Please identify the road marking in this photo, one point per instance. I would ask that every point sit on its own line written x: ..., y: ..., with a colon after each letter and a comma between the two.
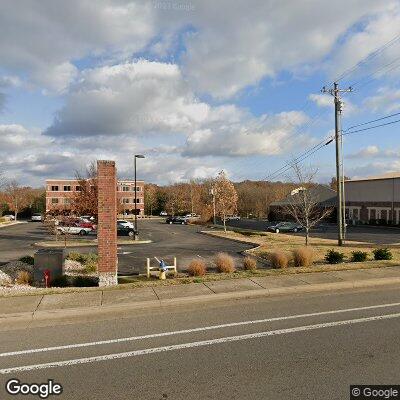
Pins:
x: 194, y: 330
x: 202, y: 343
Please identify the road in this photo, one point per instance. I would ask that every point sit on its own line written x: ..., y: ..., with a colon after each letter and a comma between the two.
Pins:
x: 308, y: 347
x: 361, y: 233
x: 182, y: 241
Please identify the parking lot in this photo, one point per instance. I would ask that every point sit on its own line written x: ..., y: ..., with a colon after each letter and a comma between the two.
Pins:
x: 182, y: 241
x: 360, y: 233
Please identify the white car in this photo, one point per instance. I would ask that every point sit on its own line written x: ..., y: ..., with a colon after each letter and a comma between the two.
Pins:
x: 163, y: 214
x: 192, y: 216
x: 126, y: 224
x: 87, y: 218
x: 37, y: 218
x: 9, y: 217
x: 74, y: 230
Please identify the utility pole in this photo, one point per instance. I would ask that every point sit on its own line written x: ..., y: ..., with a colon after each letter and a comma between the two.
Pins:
x: 335, y: 92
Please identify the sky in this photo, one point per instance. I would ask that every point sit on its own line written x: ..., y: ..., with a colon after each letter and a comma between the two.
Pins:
x: 197, y: 87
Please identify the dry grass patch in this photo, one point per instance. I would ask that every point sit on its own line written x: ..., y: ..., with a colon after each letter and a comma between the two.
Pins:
x: 24, y: 278
x: 224, y: 263
x: 278, y: 260
x: 249, y: 264
x: 197, y: 268
x: 303, y: 257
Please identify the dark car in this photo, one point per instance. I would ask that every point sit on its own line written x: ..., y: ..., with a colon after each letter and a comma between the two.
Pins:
x: 123, y: 230
x: 176, y: 220
x: 285, y: 227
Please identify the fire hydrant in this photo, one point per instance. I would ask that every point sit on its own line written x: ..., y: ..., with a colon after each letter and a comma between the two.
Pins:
x: 46, y: 274
x: 163, y: 269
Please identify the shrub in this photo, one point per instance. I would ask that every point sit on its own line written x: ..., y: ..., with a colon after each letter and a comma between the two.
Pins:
x: 278, y: 260
x: 60, y: 281
x: 224, y: 263
x: 79, y: 257
x: 27, y: 260
x: 24, y: 278
x: 359, y: 256
x: 197, y: 268
x: 382, y: 254
x: 249, y: 264
x: 85, y: 281
x: 334, y: 257
x: 303, y: 257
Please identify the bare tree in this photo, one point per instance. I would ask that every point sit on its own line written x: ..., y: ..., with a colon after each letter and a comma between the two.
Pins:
x: 304, y: 203
x: 85, y: 199
x: 226, y: 197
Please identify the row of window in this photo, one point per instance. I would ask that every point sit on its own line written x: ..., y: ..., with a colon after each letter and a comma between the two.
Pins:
x: 66, y: 200
x: 68, y: 188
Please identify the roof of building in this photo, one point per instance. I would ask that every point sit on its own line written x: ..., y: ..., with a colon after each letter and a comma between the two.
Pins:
x: 323, y: 194
x: 388, y: 175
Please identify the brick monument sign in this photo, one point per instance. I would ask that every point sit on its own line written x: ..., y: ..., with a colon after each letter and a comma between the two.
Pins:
x: 107, y: 222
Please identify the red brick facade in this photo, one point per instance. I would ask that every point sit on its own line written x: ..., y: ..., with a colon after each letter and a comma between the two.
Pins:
x: 107, y: 222
x: 59, y: 194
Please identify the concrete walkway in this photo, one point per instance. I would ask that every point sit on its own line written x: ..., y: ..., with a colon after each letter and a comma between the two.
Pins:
x: 53, y: 305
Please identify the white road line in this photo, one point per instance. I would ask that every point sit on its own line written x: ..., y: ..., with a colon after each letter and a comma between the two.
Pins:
x: 194, y: 330
x: 202, y: 343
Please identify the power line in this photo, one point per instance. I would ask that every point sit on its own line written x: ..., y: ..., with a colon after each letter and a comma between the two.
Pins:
x: 371, y: 127
x: 369, y: 57
x: 371, y: 122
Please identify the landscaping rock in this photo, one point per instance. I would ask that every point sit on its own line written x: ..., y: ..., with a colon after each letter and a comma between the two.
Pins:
x: 13, y: 268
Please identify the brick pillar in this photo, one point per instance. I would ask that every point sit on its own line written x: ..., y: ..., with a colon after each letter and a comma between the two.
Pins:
x: 107, y: 222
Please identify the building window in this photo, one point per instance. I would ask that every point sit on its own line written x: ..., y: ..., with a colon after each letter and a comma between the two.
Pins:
x: 126, y: 200
x: 67, y: 188
x: 78, y: 188
x: 54, y: 188
x: 54, y: 200
x: 125, y: 188
x: 138, y: 188
x: 67, y: 201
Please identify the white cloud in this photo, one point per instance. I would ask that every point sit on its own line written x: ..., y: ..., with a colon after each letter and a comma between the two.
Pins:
x: 387, y: 99
x: 238, y: 45
x: 374, y: 151
x: 42, y: 39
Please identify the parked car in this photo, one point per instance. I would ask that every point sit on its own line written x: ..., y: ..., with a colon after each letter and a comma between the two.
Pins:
x: 192, y: 216
x: 87, y: 217
x: 176, y: 220
x: 123, y: 230
x: 126, y: 223
x: 10, y: 217
x: 233, y: 218
x: 87, y: 224
x: 74, y: 229
x: 37, y: 217
x: 285, y: 227
x: 163, y: 214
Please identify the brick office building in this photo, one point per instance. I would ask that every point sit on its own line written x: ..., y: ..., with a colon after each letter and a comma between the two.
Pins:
x: 60, y: 192
x: 374, y: 200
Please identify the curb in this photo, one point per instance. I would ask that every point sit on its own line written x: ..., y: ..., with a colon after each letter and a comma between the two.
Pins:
x: 247, y: 294
x: 94, y: 244
x: 13, y: 223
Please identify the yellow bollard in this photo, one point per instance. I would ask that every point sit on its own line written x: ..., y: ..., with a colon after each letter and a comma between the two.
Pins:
x: 162, y: 275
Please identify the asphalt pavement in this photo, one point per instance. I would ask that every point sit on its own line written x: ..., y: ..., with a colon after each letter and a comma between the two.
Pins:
x: 309, y: 346
x: 359, y: 233
x: 168, y: 241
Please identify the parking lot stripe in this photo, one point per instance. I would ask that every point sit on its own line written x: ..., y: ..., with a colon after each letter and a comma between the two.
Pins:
x: 202, y: 343
x: 194, y: 330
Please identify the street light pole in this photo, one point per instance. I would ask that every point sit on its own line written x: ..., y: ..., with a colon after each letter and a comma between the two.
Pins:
x: 136, y: 209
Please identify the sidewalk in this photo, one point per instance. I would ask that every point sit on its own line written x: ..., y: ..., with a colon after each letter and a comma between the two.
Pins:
x: 57, y: 305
